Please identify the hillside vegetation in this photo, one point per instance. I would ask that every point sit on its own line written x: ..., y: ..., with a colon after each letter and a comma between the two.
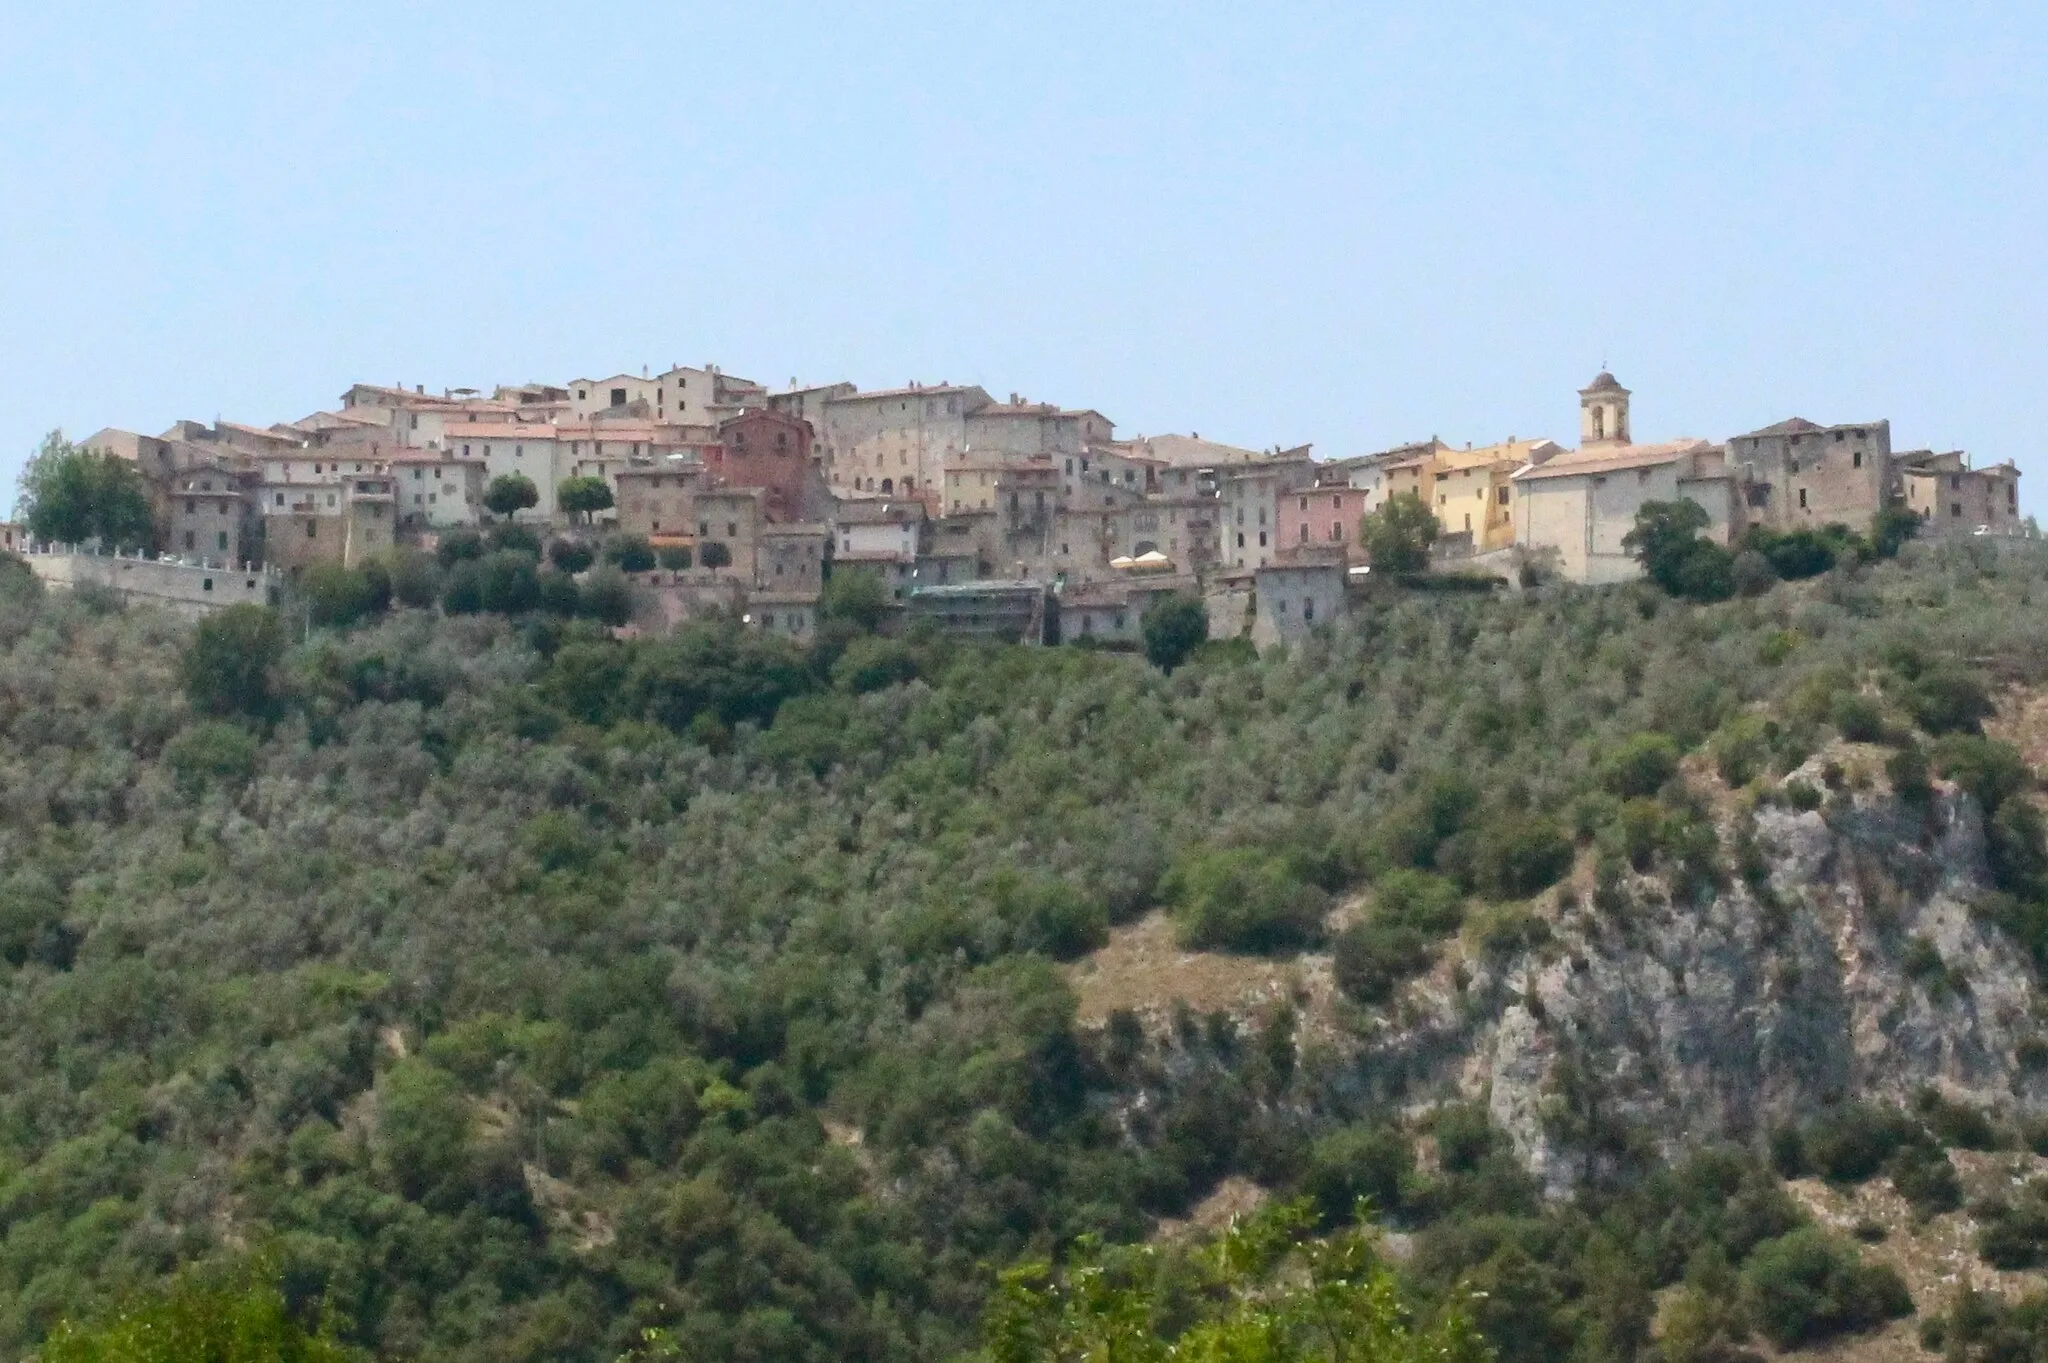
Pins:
x: 514, y: 990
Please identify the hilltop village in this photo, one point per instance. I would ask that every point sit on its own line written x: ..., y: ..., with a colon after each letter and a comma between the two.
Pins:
x: 985, y: 515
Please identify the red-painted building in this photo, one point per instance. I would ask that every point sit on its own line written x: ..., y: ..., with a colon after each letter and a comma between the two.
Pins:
x: 1322, y: 517
x: 764, y: 449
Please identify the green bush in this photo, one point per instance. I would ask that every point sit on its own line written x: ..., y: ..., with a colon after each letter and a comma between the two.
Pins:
x: 231, y: 665
x: 460, y: 544
x: 1243, y: 900
x: 1741, y: 748
x: 1807, y: 1286
x: 212, y: 753
x: 1949, y: 700
x: 1521, y: 855
x: 1354, y: 1163
x: 1851, y: 1142
x: 630, y: 554
x: 570, y: 555
x: 1641, y: 766
x: 1857, y: 717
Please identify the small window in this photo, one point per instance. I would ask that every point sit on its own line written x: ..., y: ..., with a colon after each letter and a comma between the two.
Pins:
x: 1308, y: 608
x: 312, y: 530
x: 1802, y: 499
x: 1856, y: 458
x: 207, y: 585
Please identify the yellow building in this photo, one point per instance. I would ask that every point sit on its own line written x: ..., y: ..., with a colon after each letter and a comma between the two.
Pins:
x: 1468, y: 490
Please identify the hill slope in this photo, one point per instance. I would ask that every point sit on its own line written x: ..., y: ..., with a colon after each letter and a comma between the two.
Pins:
x: 516, y: 988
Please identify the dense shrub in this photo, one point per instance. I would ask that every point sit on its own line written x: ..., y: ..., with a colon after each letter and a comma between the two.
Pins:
x: 1808, y: 1286
x: 1243, y: 900
x: 1947, y: 699
x: 570, y: 555
x: 1641, y: 766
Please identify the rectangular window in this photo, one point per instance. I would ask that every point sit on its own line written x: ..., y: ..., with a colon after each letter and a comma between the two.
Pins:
x: 223, y: 545
x: 1856, y: 459
x: 1802, y: 498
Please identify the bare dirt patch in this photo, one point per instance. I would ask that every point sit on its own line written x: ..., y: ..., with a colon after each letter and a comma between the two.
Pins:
x: 2022, y: 720
x: 1144, y: 970
x: 1231, y: 1199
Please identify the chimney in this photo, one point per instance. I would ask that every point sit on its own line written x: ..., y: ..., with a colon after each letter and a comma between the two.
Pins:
x: 420, y: 388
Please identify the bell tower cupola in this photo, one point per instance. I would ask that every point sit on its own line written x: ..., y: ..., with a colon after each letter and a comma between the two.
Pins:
x: 1603, y: 412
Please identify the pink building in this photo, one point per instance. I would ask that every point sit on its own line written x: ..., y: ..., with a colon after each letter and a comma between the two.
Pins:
x: 1321, y: 517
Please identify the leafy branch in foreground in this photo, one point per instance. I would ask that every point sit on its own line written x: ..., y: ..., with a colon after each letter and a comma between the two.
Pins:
x: 1268, y: 1293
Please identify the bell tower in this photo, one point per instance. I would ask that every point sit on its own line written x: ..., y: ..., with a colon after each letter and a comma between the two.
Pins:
x: 1603, y: 412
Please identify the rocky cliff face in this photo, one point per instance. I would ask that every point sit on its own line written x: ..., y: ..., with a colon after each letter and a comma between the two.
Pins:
x: 1848, y: 964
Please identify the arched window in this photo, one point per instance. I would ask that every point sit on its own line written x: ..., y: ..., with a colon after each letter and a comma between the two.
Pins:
x: 888, y: 485
x: 1599, y: 423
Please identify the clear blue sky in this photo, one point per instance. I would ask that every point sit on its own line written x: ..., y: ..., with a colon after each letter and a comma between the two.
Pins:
x: 1351, y: 224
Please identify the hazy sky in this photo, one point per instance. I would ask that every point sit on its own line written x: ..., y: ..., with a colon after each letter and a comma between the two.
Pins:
x: 1352, y: 224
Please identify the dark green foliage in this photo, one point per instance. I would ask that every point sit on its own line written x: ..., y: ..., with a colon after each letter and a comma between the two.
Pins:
x: 1890, y: 530
x: 675, y: 558
x: 871, y: 664
x: 508, y: 582
x: 1851, y: 1142
x: 557, y: 594
x: 585, y: 496
x: 1369, y: 1163
x: 1857, y: 717
x: 212, y: 754
x: 1397, y: 537
x: 1808, y: 1286
x: 1243, y: 900
x: 1926, y: 1178
x: 1175, y: 625
x: 338, y: 597
x: 1907, y: 770
x: 1802, y: 553
x: 1641, y: 766
x: 570, y: 555
x: 1666, y: 541
x: 230, y: 666
x: 1948, y: 699
x: 68, y: 495
x: 854, y: 597
x: 715, y: 554
x: 607, y: 597
x: 509, y: 493
x: 415, y: 581
x: 1397, y: 938
x: 462, y: 590
x: 631, y: 554
x: 1520, y: 855
x: 510, y: 535
x: 460, y: 543
x: 2014, y: 1236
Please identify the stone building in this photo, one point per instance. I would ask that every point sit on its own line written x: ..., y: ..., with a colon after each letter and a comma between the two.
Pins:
x: 1797, y: 474
x: 210, y: 514
x: 1294, y: 599
x: 1249, y: 520
x: 343, y: 521
x: 655, y: 500
x: 897, y: 442
x: 1951, y: 498
x: 433, y: 489
x: 1580, y: 504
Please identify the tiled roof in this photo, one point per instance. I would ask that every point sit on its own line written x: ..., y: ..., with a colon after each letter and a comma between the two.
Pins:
x: 1602, y: 459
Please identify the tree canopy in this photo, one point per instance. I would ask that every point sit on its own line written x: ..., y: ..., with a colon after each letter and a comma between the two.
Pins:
x: 1174, y: 626
x: 70, y: 495
x: 1397, y: 537
x: 510, y: 493
x: 584, y: 496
